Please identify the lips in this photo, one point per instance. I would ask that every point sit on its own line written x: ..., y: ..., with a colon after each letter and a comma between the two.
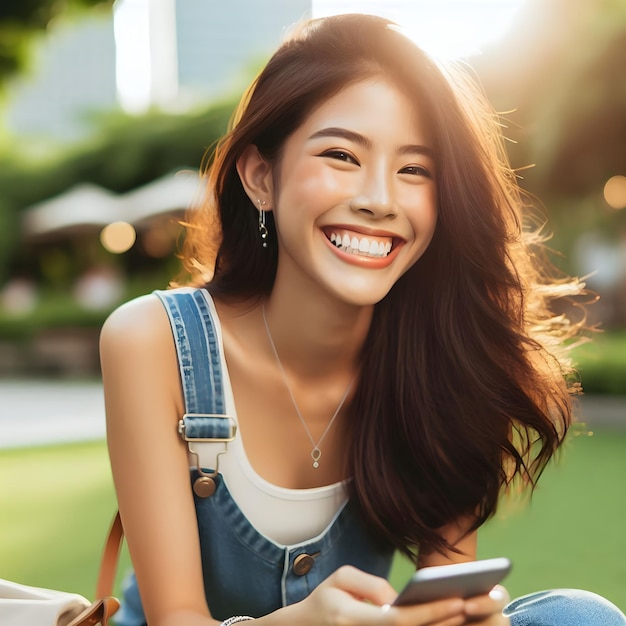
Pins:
x: 350, y: 242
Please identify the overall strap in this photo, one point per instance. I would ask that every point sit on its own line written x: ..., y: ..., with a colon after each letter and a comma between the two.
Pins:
x: 199, y: 361
x: 197, y: 348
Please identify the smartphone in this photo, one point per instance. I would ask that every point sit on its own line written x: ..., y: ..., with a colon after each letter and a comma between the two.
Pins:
x: 459, y: 580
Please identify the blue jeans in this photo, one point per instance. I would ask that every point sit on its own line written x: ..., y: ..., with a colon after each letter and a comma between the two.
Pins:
x: 563, y: 607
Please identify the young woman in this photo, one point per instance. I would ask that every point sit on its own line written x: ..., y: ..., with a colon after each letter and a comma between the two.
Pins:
x: 369, y: 350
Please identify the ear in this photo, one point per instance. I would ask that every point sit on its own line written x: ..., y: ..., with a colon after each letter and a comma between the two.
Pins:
x: 255, y: 173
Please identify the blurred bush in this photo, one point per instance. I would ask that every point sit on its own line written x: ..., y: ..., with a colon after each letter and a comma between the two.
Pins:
x: 602, y: 363
x: 124, y: 153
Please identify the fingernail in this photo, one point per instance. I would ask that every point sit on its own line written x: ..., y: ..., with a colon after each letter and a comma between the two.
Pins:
x: 497, y: 594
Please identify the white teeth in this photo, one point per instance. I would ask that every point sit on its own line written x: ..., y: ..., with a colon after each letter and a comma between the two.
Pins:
x: 364, y: 247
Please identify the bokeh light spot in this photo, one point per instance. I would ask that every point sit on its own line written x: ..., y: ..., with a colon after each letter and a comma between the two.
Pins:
x: 615, y: 192
x: 118, y: 237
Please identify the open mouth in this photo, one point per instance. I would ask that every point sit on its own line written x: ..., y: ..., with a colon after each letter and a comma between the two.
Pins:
x: 369, y: 246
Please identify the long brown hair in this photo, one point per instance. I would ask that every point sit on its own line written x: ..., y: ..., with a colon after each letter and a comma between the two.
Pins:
x: 459, y: 394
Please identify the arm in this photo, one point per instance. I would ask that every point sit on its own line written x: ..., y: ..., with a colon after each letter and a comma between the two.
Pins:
x: 150, y: 469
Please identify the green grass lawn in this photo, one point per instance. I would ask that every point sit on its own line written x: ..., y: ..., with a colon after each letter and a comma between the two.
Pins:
x: 57, y: 503
x: 572, y: 532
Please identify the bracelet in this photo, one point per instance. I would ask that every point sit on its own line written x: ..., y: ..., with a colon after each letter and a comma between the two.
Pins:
x: 236, y: 619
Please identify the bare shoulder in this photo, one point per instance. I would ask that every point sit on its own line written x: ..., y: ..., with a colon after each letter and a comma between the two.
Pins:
x: 138, y: 321
x: 139, y: 365
x: 137, y: 349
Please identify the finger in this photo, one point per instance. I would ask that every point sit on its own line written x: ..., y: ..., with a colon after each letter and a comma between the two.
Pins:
x: 363, y: 586
x: 441, y: 613
x: 457, y: 620
x: 448, y: 612
x: 488, y: 604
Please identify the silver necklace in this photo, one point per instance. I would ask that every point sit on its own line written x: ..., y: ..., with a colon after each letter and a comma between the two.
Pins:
x: 316, y: 453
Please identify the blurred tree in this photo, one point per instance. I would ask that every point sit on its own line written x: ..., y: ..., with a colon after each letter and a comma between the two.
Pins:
x: 20, y: 20
x: 584, y: 130
x: 561, y: 74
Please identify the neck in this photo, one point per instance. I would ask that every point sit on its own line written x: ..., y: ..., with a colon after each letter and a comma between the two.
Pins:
x: 316, y: 337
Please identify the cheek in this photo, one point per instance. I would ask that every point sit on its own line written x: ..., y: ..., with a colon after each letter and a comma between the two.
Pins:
x: 314, y: 179
x: 433, y: 209
x: 421, y: 205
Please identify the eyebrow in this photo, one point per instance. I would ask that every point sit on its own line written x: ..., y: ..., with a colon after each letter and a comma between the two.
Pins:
x: 363, y: 141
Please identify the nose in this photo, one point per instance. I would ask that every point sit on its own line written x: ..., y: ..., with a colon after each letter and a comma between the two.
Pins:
x: 375, y: 198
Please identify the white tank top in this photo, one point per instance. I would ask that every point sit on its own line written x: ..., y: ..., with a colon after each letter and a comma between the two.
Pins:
x: 285, y: 516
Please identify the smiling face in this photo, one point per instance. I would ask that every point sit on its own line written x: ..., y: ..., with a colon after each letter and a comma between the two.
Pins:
x: 354, y: 195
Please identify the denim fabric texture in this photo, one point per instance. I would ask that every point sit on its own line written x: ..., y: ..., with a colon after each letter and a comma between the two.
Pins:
x: 245, y: 573
x: 564, y: 607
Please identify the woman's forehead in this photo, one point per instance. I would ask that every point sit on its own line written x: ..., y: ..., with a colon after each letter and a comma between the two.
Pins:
x: 376, y: 105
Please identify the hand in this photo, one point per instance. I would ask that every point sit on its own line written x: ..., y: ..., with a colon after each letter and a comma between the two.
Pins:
x: 350, y: 597
x: 487, y: 609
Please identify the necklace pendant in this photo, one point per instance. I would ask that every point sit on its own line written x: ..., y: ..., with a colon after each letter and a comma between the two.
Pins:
x: 316, y: 453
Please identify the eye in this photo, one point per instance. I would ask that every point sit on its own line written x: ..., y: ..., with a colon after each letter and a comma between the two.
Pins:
x: 416, y: 170
x: 340, y: 155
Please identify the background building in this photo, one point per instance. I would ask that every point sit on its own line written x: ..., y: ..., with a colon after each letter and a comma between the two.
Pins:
x: 71, y: 73
x: 168, y: 53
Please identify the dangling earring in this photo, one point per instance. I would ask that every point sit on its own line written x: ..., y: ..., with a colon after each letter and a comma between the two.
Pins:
x: 263, y: 232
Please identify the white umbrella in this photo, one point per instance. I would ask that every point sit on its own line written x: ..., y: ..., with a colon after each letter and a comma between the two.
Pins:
x: 89, y: 207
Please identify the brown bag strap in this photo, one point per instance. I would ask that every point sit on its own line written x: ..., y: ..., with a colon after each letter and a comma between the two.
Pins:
x: 110, y: 559
x: 100, y: 612
x: 105, y: 605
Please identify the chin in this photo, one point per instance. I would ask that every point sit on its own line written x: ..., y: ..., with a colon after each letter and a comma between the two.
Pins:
x: 358, y: 298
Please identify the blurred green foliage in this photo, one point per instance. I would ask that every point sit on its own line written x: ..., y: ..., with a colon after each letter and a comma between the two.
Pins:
x: 602, y: 363
x: 56, y: 310
x: 558, y: 78
x: 125, y: 152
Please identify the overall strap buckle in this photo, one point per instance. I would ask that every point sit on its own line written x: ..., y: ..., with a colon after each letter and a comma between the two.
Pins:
x: 207, y: 427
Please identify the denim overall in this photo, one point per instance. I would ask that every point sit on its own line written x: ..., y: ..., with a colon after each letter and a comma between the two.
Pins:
x: 245, y: 573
